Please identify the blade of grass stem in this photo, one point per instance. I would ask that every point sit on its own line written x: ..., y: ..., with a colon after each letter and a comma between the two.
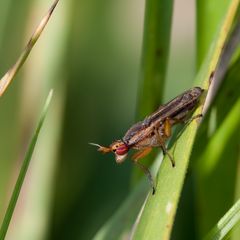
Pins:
x: 206, y: 10
x: 225, y: 224
x: 120, y: 225
x: 23, y: 171
x: 213, y: 165
x: 155, y: 51
x: 236, y: 231
x: 225, y: 62
x: 125, y: 215
x: 159, y: 212
x: 216, y: 145
x: 9, y: 75
x: 156, y: 40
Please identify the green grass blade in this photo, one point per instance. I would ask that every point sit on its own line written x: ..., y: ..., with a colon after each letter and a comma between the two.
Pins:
x: 9, y: 75
x: 236, y: 231
x: 206, y: 10
x: 156, y: 41
x: 23, y: 171
x: 120, y: 225
x: 216, y: 162
x: 159, y: 212
x: 225, y: 224
x: 210, y: 158
x: 155, y: 52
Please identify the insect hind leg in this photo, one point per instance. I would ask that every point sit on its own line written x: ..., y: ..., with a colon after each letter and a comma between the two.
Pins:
x: 167, y: 132
x: 188, y: 121
x: 165, y: 152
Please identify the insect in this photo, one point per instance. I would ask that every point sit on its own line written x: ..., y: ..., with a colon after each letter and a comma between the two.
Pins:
x: 154, y: 130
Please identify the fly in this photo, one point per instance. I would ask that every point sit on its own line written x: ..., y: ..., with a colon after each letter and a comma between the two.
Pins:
x: 154, y: 130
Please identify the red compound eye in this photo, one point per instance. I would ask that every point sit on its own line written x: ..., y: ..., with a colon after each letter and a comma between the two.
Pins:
x: 122, y: 149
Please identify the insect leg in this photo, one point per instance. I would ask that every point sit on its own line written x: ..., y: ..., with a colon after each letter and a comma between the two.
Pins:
x: 167, y: 133
x: 188, y: 121
x: 147, y: 173
x: 167, y: 128
x: 136, y: 157
x: 141, y: 153
x: 165, y: 152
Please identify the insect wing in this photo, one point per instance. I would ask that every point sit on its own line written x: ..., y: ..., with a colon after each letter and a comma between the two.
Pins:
x: 178, y: 108
x: 180, y: 104
x: 134, y: 136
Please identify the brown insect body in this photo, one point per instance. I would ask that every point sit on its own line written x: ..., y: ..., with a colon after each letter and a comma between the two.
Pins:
x: 155, y: 129
x: 174, y: 112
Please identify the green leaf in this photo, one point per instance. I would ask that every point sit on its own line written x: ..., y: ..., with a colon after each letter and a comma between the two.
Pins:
x: 23, y: 171
x: 10, y: 74
x: 158, y: 215
x: 217, y: 160
x: 208, y: 15
x: 156, y: 41
x: 225, y: 224
x: 214, y: 169
x: 121, y: 224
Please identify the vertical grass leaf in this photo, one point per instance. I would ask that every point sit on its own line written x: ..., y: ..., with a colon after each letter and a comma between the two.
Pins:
x: 155, y: 51
x: 215, y: 154
x: 156, y: 40
x: 215, y: 147
x: 225, y: 224
x: 206, y: 11
x: 23, y: 171
x: 120, y: 224
x: 9, y: 75
x: 158, y: 215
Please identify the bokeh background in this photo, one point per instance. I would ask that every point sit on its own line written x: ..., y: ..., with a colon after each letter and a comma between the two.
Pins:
x: 90, y: 54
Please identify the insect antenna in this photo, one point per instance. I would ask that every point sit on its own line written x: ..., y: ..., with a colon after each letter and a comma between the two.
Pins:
x: 101, y: 148
x: 148, y: 174
x: 95, y: 144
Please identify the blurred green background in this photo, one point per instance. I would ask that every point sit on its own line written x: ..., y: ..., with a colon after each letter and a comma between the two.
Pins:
x: 90, y: 55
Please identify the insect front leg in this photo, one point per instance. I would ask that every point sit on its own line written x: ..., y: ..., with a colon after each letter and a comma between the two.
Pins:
x: 141, y: 153
x: 167, y: 131
x: 136, y: 157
